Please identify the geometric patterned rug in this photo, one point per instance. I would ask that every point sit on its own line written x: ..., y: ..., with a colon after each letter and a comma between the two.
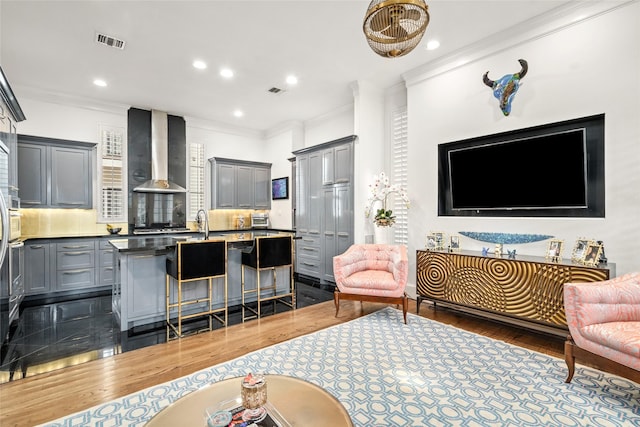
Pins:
x: 424, y: 373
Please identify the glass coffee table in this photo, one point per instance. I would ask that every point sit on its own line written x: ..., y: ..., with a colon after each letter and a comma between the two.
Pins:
x: 298, y: 402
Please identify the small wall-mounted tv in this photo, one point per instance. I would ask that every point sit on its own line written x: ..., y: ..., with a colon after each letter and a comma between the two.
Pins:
x: 553, y: 170
x: 280, y: 188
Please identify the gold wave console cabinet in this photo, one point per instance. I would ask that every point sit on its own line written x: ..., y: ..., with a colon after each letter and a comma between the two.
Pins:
x: 526, y: 291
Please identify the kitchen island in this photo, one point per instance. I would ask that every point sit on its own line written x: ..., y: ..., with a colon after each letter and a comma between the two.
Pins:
x: 139, y: 263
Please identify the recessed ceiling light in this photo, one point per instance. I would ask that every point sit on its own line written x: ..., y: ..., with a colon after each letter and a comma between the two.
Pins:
x: 200, y: 65
x: 292, y: 80
x: 433, y: 44
x: 227, y: 73
x: 100, y: 82
x: 238, y: 113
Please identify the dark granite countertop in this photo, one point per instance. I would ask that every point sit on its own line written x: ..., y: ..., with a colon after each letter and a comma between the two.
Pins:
x: 162, y: 244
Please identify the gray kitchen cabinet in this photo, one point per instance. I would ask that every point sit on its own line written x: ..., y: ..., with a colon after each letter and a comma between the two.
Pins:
x: 245, y: 185
x: 105, y: 263
x: 337, y: 234
x: 143, y: 283
x: 239, y: 184
x: 53, y: 266
x: 38, y: 268
x: 262, y: 188
x: 75, y: 264
x: 337, y: 165
x: 32, y: 175
x: 71, y: 184
x: 55, y: 173
x: 324, y: 206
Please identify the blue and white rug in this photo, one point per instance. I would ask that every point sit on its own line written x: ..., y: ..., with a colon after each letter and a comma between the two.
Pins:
x: 425, y: 373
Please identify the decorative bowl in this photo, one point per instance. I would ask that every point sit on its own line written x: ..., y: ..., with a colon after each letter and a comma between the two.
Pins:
x: 114, y: 230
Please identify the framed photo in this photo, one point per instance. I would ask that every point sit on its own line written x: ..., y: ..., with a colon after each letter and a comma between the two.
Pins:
x: 580, y: 249
x: 454, y: 243
x: 280, y: 188
x: 431, y: 242
x: 439, y: 236
x: 554, y: 250
x: 592, y: 254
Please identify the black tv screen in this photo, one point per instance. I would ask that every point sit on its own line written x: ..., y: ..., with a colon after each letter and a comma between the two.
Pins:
x: 280, y: 188
x: 552, y: 170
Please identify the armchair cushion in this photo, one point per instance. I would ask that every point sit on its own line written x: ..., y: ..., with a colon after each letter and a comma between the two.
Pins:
x: 604, y: 318
x: 370, y: 269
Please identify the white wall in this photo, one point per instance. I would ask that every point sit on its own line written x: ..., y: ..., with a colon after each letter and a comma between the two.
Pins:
x: 278, y: 153
x: 333, y: 125
x: 64, y: 121
x: 589, y: 68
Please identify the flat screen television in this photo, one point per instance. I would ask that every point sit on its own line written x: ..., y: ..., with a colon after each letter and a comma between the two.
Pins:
x: 553, y: 170
x: 280, y: 188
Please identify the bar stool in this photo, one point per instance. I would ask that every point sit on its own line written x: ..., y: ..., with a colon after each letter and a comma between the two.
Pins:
x: 192, y: 262
x: 268, y: 253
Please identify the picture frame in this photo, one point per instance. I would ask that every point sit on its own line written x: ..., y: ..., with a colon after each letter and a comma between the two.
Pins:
x: 592, y: 254
x: 440, y: 238
x: 554, y: 250
x: 579, y: 249
x: 431, y: 242
x: 280, y: 188
x: 454, y: 243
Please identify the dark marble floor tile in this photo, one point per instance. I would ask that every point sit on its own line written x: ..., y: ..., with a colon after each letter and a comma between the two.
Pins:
x: 59, y: 334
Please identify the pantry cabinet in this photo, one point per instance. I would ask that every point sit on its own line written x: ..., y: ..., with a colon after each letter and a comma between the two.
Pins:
x: 324, y: 206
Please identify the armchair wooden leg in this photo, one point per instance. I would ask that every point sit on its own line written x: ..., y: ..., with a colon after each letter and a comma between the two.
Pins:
x: 405, y: 307
x: 569, y: 358
x: 336, y: 301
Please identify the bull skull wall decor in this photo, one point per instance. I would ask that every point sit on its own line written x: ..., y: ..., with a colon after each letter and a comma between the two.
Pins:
x: 505, y: 88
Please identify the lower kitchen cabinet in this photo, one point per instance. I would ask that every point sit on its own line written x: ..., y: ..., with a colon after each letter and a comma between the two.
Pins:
x: 75, y: 265
x: 37, y: 272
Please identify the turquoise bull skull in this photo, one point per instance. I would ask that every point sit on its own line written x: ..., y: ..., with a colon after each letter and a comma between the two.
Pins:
x: 505, y: 88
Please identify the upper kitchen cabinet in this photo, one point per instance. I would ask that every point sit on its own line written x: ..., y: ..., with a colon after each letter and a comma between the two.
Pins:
x: 54, y: 173
x: 337, y: 165
x: 240, y: 184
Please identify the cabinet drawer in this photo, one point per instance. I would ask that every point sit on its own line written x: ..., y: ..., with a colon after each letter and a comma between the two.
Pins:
x: 79, y: 245
x: 106, y: 257
x: 308, y: 265
x: 105, y: 276
x: 81, y: 258
x: 76, y: 278
x: 104, y: 244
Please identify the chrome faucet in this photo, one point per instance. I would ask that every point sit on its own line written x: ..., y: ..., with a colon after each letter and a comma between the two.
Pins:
x: 206, y: 222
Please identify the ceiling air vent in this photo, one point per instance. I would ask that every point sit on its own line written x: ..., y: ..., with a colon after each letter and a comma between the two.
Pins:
x: 110, y: 41
x: 276, y: 90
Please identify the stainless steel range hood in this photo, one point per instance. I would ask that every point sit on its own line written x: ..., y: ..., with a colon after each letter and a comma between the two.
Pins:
x: 159, y: 182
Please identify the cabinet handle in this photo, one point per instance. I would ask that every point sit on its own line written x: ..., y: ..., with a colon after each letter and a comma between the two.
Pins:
x: 306, y: 248
x: 108, y: 268
x: 36, y: 246
x: 341, y: 180
x: 343, y: 234
x: 307, y: 240
x: 329, y: 233
x: 314, y: 231
x: 77, y: 253
x: 75, y: 271
x: 309, y: 264
x: 75, y: 247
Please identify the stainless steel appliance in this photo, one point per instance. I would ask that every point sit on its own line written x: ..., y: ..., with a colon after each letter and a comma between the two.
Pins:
x: 259, y: 220
x: 11, y: 249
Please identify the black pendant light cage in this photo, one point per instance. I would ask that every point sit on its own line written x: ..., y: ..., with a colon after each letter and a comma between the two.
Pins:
x: 394, y: 27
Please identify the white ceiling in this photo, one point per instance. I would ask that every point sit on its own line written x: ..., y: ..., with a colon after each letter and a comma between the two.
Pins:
x: 48, y: 50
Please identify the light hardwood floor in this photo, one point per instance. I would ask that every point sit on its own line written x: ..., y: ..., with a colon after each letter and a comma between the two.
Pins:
x: 45, y: 397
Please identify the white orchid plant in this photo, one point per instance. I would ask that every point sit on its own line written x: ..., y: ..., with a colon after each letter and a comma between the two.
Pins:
x: 380, y: 191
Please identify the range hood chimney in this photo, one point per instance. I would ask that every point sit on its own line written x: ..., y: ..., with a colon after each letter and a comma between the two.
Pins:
x: 159, y: 182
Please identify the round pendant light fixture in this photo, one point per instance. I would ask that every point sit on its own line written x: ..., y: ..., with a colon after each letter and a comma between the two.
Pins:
x: 394, y: 27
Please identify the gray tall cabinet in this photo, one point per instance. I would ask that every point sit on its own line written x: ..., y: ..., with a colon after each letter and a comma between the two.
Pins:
x: 324, y: 206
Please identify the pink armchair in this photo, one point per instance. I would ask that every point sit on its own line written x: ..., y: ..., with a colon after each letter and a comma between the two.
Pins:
x: 604, y: 323
x: 373, y: 273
